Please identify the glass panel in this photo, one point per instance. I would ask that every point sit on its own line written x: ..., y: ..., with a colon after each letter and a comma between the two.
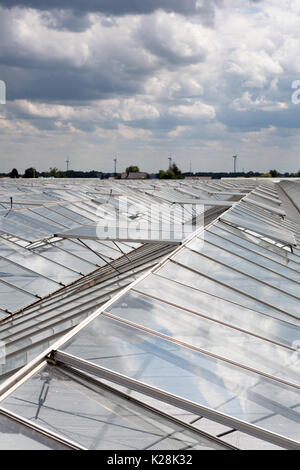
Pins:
x: 53, y: 252
x: 204, y: 334
x: 269, y: 206
x: 92, y: 217
x: 91, y: 206
x: 237, y: 280
x: 75, y: 217
x: 37, y: 263
x: 55, y: 217
x: 211, y: 305
x: 281, y: 257
x: 110, y: 251
x: 28, y: 218
x: 262, y: 218
x: 17, y: 436
x: 260, y: 227
x: 96, y: 417
x: 232, y: 255
x: 52, y: 227
x: 188, y: 374
x: 27, y: 280
x: 13, y: 299
x: 267, y: 200
x: 21, y: 231
x: 3, y: 314
x: 245, y: 252
x: 193, y: 279
x: 78, y: 249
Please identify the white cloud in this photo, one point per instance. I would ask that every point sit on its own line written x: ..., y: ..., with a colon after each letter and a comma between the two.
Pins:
x: 165, y: 72
x: 44, y: 110
x: 179, y: 131
x: 247, y: 102
x: 123, y: 109
x: 131, y: 133
x: 194, y: 110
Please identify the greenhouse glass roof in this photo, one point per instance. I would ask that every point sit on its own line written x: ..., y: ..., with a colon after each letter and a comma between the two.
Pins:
x: 201, y: 332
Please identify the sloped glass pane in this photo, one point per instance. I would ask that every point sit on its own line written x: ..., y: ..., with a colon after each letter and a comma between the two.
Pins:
x: 39, y: 264
x: 53, y: 252
x: 55, y: 217
x: 78, y: 249
x: 278, y: 255
x: 194, y: 279
x: 27, y: 218
x: 17, y: 436
x: 28, y: 280
x: 241, y: 259
x: 95, y: 417
x: 204, y: 334
x: 237, y: 280
x: 188, y: 374
x: 259, y: 226
x: 12, y: 299
x: 75, y: 217
x: 22, y: 231
x: 131, y: 231
x: 211, y: 305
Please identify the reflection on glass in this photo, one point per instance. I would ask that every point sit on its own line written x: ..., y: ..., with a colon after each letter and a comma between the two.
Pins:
x: 241, y: 259
x: 236, y: 279
x: 95, y: 417
x: 17, y: 436
x: 205, y: 334
x: 260, y: 246
x: 187, y: 373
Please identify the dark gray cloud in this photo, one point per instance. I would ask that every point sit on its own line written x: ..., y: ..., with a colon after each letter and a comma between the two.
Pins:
x: 160, y: 42
x: 119, y: 7
x: 63, y: 84
x: 96, y: 68
x: 149, y: 80
x: 253, y: 121
x: 66, y: 20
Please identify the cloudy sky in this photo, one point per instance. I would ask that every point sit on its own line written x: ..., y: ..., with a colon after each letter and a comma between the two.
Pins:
x: 199, y: 80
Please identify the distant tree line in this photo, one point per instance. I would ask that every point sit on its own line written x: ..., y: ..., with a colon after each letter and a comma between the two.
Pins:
x: 172, y: 173
x: 54, y: 173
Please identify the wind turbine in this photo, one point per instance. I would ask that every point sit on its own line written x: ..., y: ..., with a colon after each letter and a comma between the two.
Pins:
x: 234, y: 163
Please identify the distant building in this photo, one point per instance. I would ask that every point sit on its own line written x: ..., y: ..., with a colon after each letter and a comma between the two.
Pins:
x: 138, y: 175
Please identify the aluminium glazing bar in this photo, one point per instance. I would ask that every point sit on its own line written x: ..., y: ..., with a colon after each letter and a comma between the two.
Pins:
x: 98, y: 386
x: 242, y: 330
x: 174, y: 400
x: 36, y: 274
x: 204, y: 202
x: 201, y: 350
x: 233, y: 288
x: 224, y: 228
x: 245, y: 273
x: 245, y: 259
x: 101, y: 257
x: 41, y: 430
x: 266, y: 207
x: 222, y: 298
x: 41, y: 256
